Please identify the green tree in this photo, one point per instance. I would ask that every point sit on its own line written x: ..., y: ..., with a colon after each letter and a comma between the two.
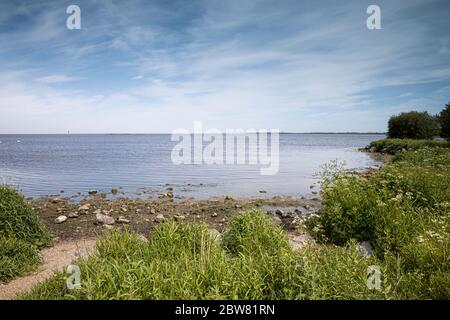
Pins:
x: 444, y: 118
x: 413, y: 125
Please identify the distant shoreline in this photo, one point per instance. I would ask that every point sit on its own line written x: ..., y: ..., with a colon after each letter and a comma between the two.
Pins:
x: 143, y: 134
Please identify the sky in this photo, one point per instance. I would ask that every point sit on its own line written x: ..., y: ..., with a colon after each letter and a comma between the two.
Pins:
x: 146, y: 66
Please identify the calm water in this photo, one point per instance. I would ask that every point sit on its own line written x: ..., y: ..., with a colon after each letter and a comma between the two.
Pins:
x: 45, y: 164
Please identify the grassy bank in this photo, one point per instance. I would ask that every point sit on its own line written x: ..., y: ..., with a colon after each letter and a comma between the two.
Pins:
x: 21, y: 235
x: 404, y: 211
x: 392, y: 146
x: 184, y: 261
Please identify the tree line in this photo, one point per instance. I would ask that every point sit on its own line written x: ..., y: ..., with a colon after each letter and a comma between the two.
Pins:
x: 420, y: 125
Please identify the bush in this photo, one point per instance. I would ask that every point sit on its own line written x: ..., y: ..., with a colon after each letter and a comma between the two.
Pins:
x: 444, y: 118
x: 404, y: 211
x: 413, y: 125
x: 16, y: 257
x: 18, y: 219
x: 21, y: 235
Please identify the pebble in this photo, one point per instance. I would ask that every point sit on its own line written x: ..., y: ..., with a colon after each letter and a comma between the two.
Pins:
x: 214, y: 214
x: 60, y: 219
x: 92, y: 192
x: 104, y: 219
x: 160, y: 218
x: 73, y: 215
x: 122, y: 219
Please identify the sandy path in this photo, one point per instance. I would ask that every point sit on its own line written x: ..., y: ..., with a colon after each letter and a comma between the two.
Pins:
x: 54, y: 259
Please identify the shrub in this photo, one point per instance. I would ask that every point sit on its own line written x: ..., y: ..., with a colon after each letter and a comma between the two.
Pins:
x: 444, y: 118
x: 18, y: 219
x: 21, y: 235
x: 413, y: 125
x: 16, y: 257
x: 403, y: 210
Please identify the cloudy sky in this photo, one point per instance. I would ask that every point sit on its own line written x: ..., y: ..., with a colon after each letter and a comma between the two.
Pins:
x: 154, y: 66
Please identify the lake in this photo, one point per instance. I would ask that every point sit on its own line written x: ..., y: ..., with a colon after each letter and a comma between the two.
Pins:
x: 41, y: 165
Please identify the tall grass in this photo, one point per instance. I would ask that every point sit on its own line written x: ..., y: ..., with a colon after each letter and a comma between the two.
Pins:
x: 183, y: 261
x: 404, y: 211
x: 21, y: 235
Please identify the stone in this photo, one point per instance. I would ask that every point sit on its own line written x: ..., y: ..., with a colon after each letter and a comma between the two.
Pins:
x: 228, y: 198
x: 215, y: 234
x: 152, y: 211
x: 314, y: 192
x: 160, y: 218
x: 179, y: 217
x: 73, y: 215
x: 214, y: 214
x: 102, y: 218
x: 114, y: 190
x: 280, y: 212
x: 169, y: 189
x: 92, y: 192
x: 98, y: 211
x: 60, y: 219
x: 299, y: 242
x: 277, y: 220
x: 307, y: 206
x: 169, y: 194
x: 262, y: 191
x: 122, y: 219
x: 84, y: 207
x: 142, y: 238
x: 108, y: 226
x: 365, y: 249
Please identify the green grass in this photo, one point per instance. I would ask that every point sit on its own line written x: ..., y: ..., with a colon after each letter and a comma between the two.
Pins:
x: 392, y: 146
x: 404, y: 211
x: 183, y: 261
x: 21, y: 235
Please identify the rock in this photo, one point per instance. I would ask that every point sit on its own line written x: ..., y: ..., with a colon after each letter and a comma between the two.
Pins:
x: 312, y: 186
x: 108, y: 226
x: 364, y: 249
x: 169, y: 189
x: 122, y: 219
x: 169, y: 194
x: 124, y: 209
x: 215, y: 234
x: 160, y: 218
x: 98, y: 211
x: 102, y: 218
x: 56, y: 201
x: 280, y: 212
x: 307, y: 206
x: 262, y: 191
x: 84, y: 207
x: 142, y: 238
x: 297, y: 211
x: 277, y: 220
x: 214, y: 214
x: 237, y: 206
x: 228, y: 198
x: 152, y: 211
x: 299, y: 242
x: 114, y: 190
x: 314, y: 192
x: 92, y: 192
x: 60, y: 219
x: 73, y: 215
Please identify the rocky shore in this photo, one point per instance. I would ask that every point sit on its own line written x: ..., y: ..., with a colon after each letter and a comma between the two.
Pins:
x: 96, y: 213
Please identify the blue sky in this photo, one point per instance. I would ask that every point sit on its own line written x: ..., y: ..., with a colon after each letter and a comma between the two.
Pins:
x: 154, y: 66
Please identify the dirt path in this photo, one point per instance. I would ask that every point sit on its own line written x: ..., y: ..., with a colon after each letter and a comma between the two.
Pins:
x: 54, y: 259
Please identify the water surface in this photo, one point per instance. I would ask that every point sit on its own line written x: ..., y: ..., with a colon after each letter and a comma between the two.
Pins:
x: 46, y: 164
